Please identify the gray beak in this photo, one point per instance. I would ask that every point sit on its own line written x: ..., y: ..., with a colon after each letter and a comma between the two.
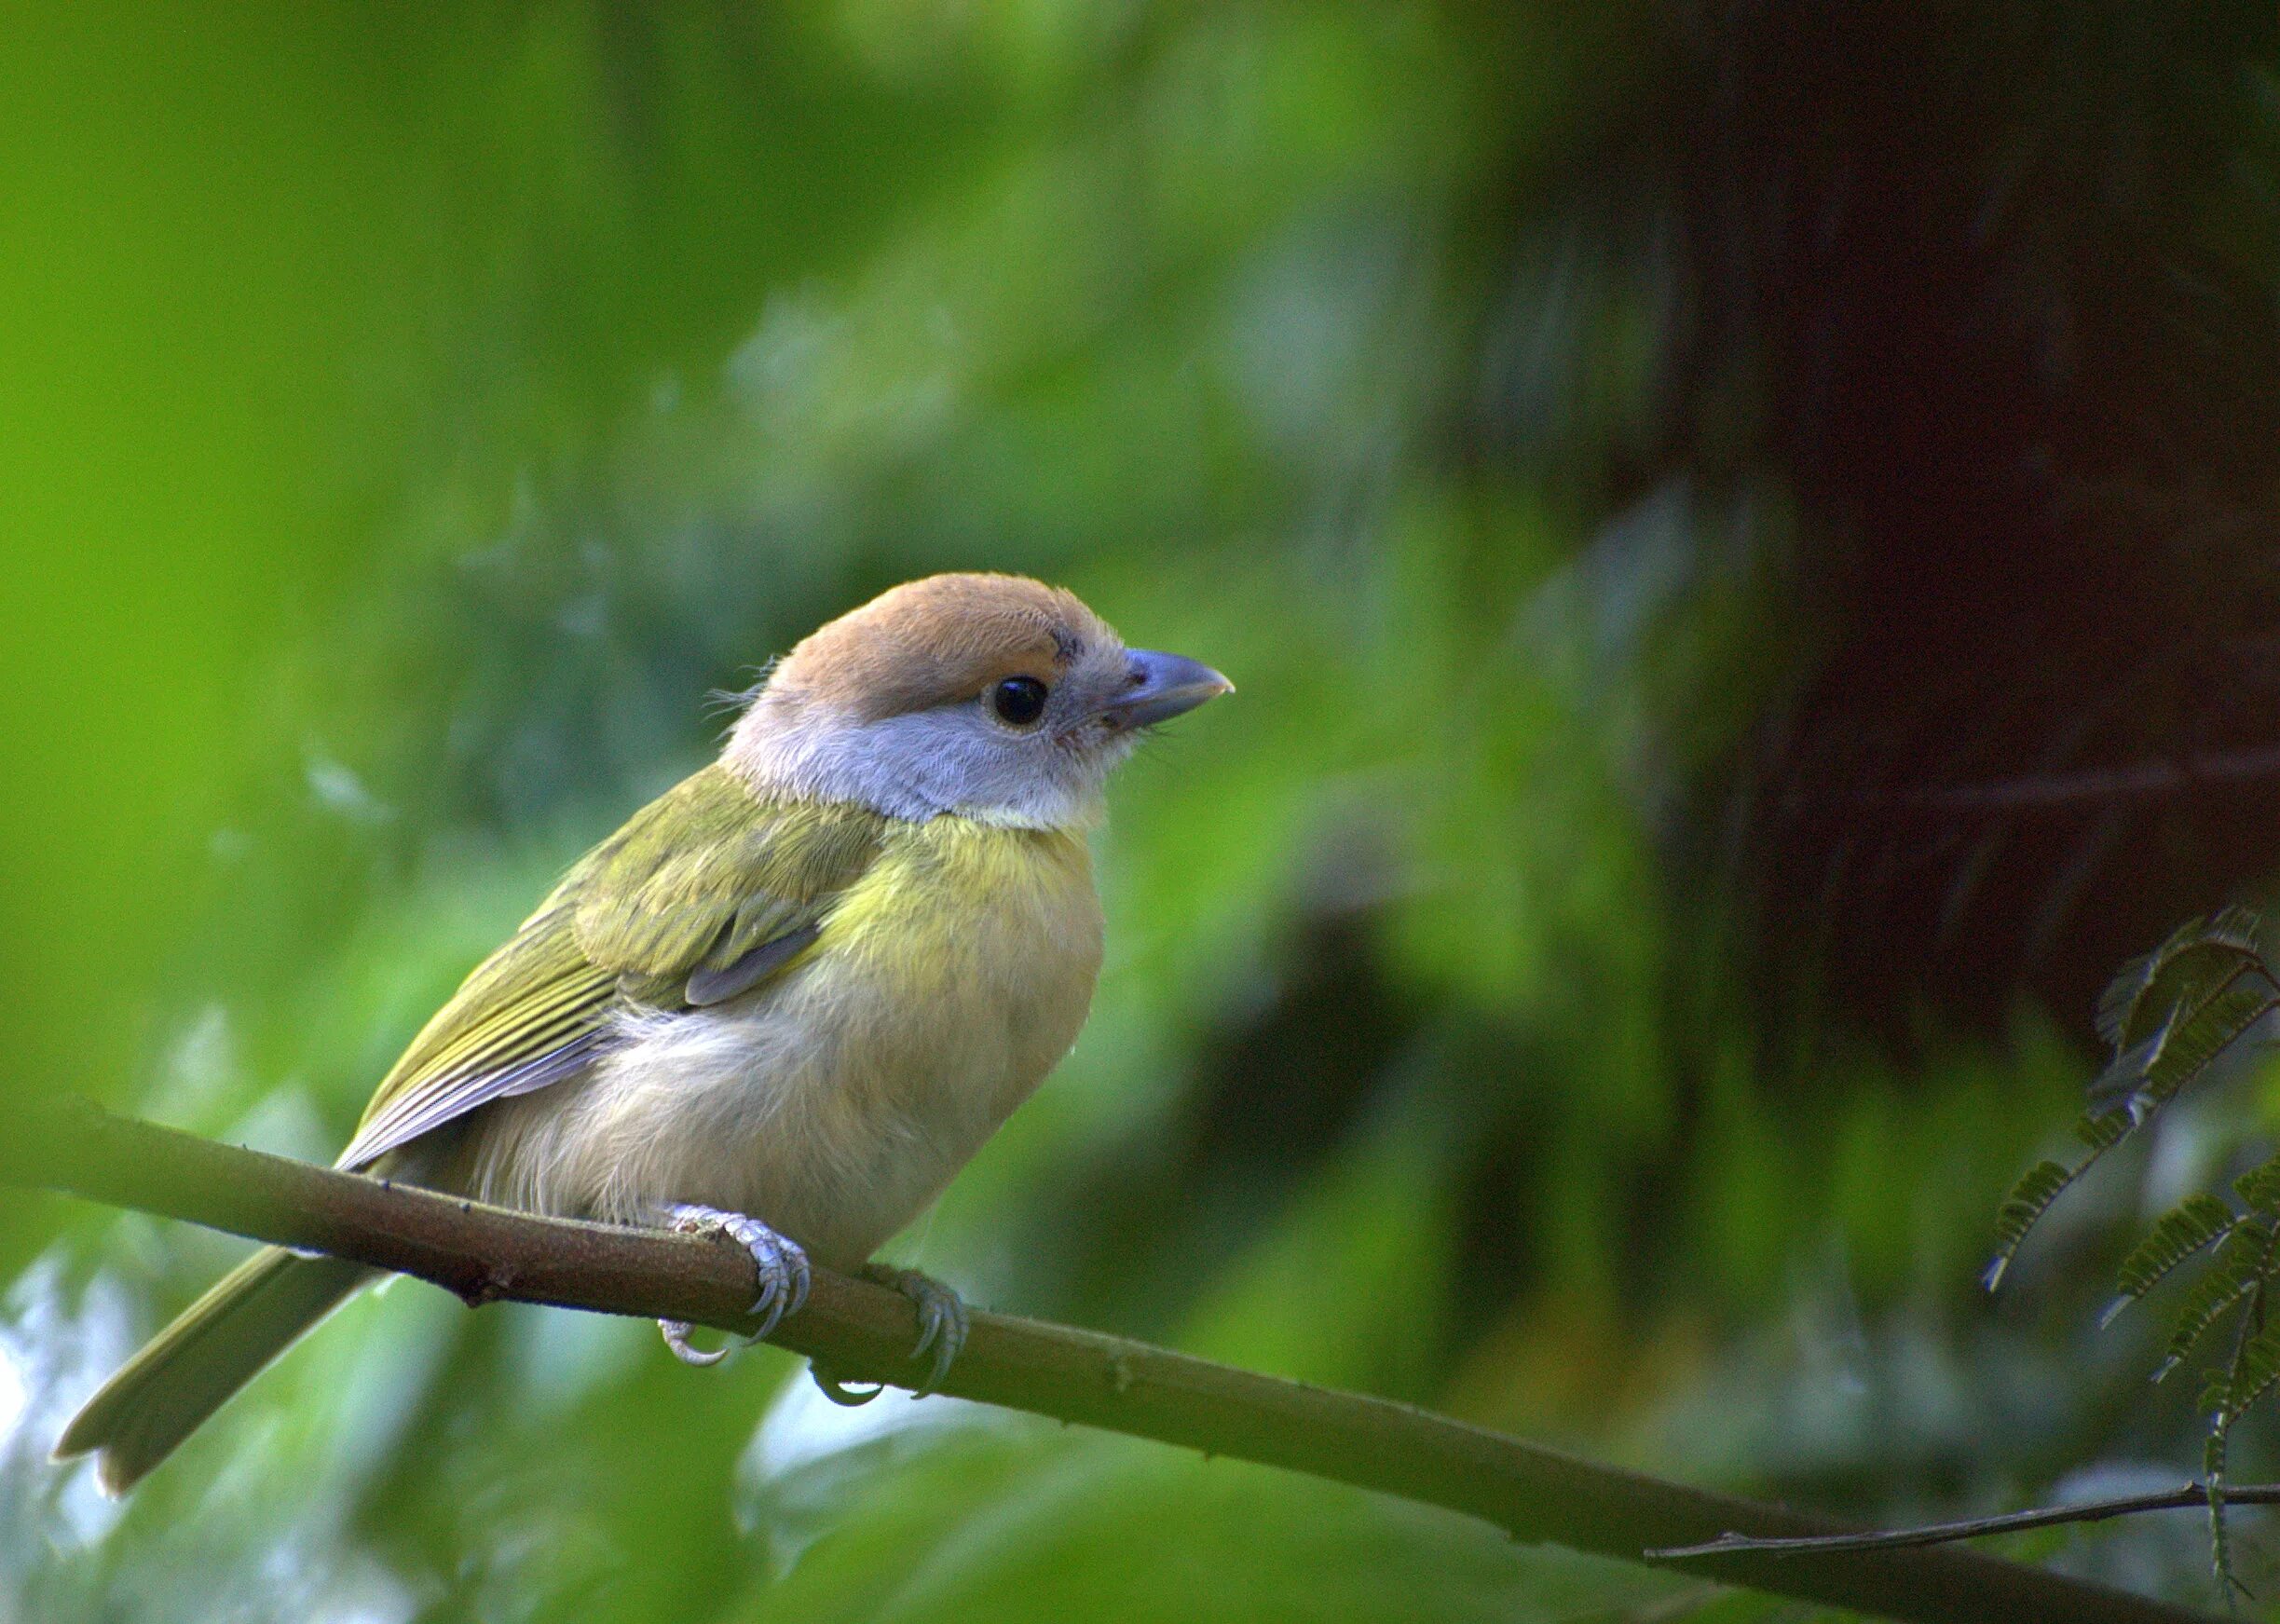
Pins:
x: 1159, y: 687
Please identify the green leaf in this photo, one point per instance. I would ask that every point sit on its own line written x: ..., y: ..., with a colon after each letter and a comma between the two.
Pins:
x: 2030, y: 1198
x: 2241, y: 1259
x: 2202, y: 1034
x: 2125, y: 1074
x: 2173, y: 1012
x: 2202, y: 955
x: 2148, y: 1076
x: 2197, y: 1222
x: 2212, y: 1454
x: 2101, y: 1131
x: 2045, y: 1181
x: 2260, y: 1187
x: 2254, y: 1369
x: 2221, y: 1542
x: 2251, y: 1375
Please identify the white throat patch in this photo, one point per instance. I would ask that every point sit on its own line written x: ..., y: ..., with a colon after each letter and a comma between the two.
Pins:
x: 922, y: 765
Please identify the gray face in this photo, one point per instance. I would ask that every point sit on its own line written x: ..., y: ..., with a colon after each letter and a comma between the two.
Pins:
x: 1021, y: 752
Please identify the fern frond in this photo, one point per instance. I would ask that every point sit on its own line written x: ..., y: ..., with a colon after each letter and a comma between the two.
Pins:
x: 2213, y: 1474
x: 2101, y: 1131
x: 2123, y: 1077
x: 2202, y: 953
x: 2044, y: 1182
x: 2252, y: 1374
x: 2197, y: 1222
x: 2254, y: 1369
x: 2201, y: 1035
x: 2030, y: 1198
x: 2237, y: 1269
x: 2260, y: 1187
x: 2167, y: 1016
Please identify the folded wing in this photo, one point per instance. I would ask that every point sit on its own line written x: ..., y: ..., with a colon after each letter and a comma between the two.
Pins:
x: 705, y: 895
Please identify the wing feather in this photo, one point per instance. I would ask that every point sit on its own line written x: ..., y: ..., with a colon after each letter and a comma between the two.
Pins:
x: 705, y: 895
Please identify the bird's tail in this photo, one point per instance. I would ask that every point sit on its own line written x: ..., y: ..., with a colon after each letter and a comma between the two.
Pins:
x: 220, y: 1342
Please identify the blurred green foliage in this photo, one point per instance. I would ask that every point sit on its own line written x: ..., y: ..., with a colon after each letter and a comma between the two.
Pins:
x: 412, y: 415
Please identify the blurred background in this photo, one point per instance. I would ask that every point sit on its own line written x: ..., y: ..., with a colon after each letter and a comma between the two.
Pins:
x: 1747, y: 537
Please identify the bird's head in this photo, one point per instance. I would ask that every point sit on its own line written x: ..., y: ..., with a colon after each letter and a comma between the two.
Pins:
x: 992, y: 697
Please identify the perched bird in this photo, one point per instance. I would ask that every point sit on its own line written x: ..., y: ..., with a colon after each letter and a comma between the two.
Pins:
x: 787, y: 1001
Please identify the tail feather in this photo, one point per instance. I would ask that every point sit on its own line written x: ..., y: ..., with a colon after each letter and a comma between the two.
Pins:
x: 189, y: 1369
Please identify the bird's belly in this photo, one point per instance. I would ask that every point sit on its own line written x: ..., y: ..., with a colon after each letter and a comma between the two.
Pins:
x: 835, y: 1103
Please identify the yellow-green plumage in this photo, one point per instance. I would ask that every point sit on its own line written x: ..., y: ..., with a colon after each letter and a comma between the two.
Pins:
x: 946, y: 979
x: 211, y: 1349
x: 906, y: 915
x: 804, y: 985
x: 695, y: 882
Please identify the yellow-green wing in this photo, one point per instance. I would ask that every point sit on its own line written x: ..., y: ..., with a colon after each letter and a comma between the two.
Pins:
x: 707, y: 875
x: 703, y: 896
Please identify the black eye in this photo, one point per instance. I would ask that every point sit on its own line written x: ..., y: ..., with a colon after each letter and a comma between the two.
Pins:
x: 1018, y: 700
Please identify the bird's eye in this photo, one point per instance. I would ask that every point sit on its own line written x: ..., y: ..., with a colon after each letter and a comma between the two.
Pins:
x: 1019, y: 701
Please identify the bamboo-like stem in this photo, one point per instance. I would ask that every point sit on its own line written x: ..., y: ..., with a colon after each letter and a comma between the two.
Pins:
x: 865, y: 1331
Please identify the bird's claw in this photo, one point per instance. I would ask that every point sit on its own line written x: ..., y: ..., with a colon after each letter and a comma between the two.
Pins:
x: 677, y: 1338
x: 943, y: 1325
x: 943, y: 1322
x: 838, y: 1391
x: 780, y: 1262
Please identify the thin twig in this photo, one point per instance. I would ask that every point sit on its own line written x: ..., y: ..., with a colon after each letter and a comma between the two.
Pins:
x: 2190, y: 1497
x: 866, y: 1332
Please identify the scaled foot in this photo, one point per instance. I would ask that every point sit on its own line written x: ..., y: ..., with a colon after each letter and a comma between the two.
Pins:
x: 943, y: 1325
x: 780, y: 1262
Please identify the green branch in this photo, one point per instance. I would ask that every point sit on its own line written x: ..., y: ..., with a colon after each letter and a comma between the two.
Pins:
x: 863, y: 1331
x: 2190, y: 1497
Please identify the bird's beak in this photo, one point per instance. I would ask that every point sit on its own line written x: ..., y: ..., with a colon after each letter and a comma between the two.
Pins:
x: 1161, y: 687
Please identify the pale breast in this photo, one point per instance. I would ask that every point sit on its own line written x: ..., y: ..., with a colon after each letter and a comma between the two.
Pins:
x: 837, y: 1103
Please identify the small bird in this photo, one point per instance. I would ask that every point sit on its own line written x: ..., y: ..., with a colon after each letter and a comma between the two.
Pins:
x: 786, y: 1001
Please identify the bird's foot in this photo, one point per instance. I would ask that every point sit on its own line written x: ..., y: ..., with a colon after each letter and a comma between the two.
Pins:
x: 943, y: 1322
x: 676, y: 1332
x: 943, y: 1325
x: 781, y: 1262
